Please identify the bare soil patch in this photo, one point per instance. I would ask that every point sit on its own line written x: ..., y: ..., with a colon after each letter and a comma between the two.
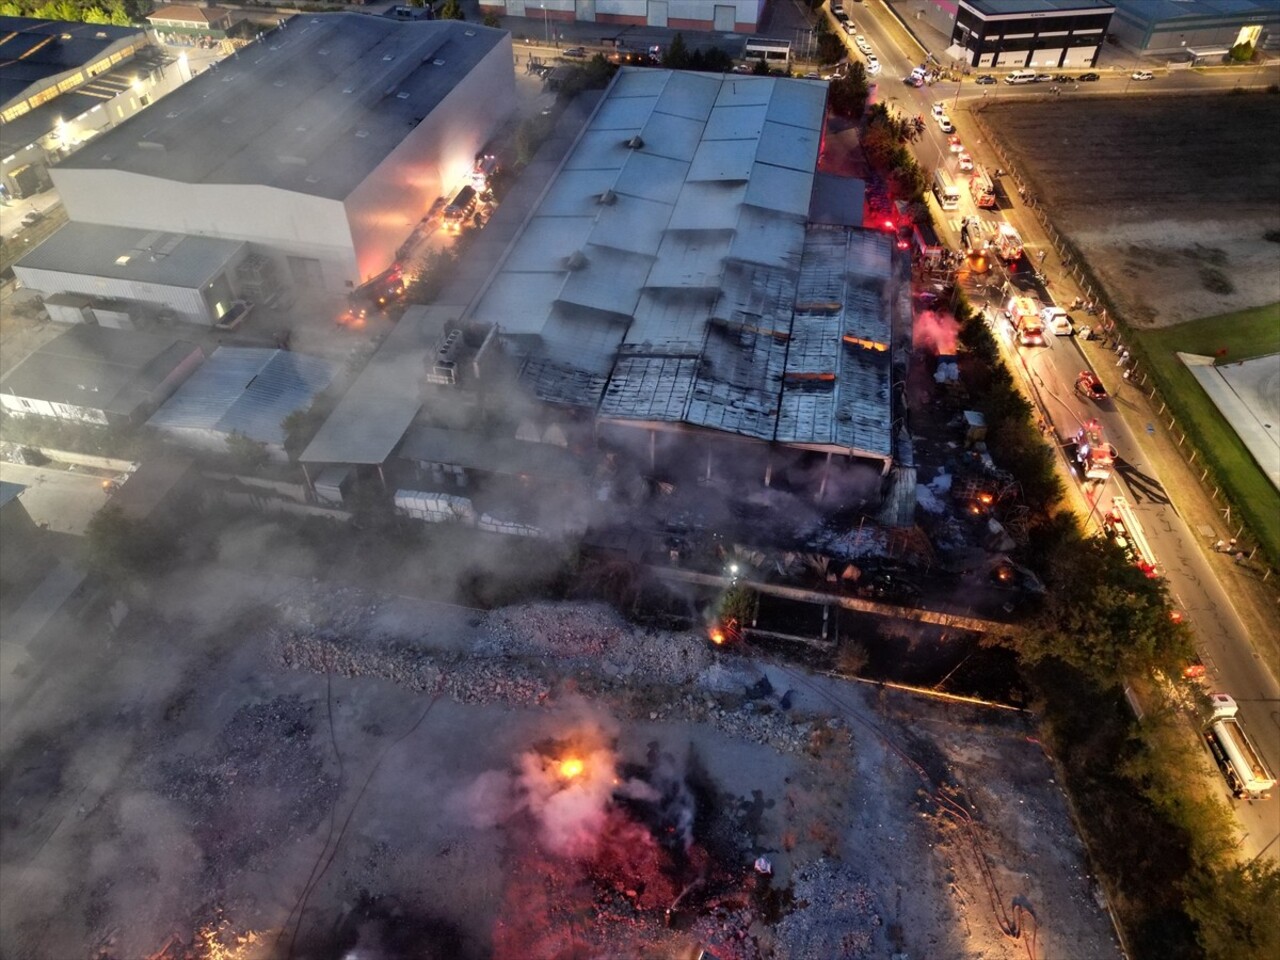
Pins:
x: 1168, y: 198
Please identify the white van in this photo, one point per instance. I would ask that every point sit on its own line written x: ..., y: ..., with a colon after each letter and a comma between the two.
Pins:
x: 1021, y: 76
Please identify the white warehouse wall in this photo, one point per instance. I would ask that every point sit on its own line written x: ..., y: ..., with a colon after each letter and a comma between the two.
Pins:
x: 294, y: 223
x: 432, y: 161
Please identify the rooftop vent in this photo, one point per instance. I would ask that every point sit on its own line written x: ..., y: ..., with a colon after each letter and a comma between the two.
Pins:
x: 313, y: 179
x: 402, y: 95
x: 575, y: 261
x: 228, y: 119
x: 607, y: 199
x: 468, y: 33
x: 323, y: 51
x: 635, y: 143
x: 278, y: 83
x: 362, y: 134
x: 388, y: 58
x: 438, y: 63
x: 151, y: 145
x: 348, y: 89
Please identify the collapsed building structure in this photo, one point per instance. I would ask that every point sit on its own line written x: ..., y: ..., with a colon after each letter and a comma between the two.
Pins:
x: 673, y: 297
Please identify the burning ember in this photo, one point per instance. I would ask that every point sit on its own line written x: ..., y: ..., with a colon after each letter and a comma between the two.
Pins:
x: 571, y: 767
x: 717, y: 636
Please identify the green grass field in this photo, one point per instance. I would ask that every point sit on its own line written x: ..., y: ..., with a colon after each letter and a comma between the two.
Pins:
x: 1247, y: 334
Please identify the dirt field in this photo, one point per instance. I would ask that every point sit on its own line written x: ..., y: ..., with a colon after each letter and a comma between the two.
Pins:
x: 1169, y: 198
x: 326, y: 769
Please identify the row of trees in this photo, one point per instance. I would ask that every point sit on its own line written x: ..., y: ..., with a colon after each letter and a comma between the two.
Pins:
x: 1166, y: 841
x: 121, y: 13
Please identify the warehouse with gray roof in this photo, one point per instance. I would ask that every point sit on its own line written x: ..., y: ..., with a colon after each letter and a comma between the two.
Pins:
x: 322, y: 144
x: 671, y: 282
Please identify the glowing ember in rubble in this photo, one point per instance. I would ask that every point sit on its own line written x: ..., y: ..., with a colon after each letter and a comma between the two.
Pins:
x: 226, y: 945
x: 571, y: 767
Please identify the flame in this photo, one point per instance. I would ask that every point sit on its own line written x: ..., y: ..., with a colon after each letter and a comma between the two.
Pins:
x: 717, y: 636
x: 214, y: 946
x: 571, y: 767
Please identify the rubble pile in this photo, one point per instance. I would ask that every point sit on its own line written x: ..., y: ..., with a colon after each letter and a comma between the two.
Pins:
x: 263, y: 761
x: 593, y: 636
x: 522, y: 654
x: 836, y: 915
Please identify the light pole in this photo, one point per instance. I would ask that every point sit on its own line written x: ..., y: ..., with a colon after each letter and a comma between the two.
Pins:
x: 546, y: 26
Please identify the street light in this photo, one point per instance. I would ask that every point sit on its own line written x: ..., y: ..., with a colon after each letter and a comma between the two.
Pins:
x: 546, y: 25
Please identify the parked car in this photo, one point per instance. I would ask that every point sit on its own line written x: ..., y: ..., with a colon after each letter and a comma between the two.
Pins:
x: 1142, y: 75
x: 913, y: 81
x: 1057, y: 322
x: 945, y: 125
x: 954, y: 145
x: 966, y: 162
x: 1061, y: 78
x: 873, y: 64
x: 985, y: 78
x: 939, y: 109
x: 1089, y: 77
x: 577, y: 53
x: 849, y: 27
x: 32, y: 218
x: 1044, y: 78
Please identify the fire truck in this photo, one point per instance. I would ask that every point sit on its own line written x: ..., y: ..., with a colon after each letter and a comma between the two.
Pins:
x: 1095, y: 456
x: 1008, y: 243
x: 981, y: 188
x: 1024, y: 317
x: 1123, y: 527
x: 1237, y: 757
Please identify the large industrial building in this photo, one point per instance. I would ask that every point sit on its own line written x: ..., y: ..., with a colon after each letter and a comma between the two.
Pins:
x: 723, y: 16
x: 673, y: 297
x: 1204, y: 30
x: 322, y: 145
x: 1030, y: 33
x: 63, y: 83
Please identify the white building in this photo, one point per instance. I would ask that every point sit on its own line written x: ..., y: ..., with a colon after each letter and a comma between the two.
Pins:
x: 322, y: 144
x: 723, y: 16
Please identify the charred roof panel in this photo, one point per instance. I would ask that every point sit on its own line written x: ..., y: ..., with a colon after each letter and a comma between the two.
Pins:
x: 649, y: 388
x: 693, y: 261
x: 765, y: 237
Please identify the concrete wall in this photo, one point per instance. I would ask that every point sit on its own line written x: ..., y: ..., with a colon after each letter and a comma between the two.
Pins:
x: 286, y: 222
x: 432, y: 161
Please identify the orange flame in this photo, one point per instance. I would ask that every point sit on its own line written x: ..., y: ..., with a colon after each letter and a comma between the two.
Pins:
x: 717, y: 636
x: 571, y: 767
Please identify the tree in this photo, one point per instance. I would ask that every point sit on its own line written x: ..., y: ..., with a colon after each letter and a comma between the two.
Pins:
x: 119, y: 547
x: 848, y: 95
x: 1103, y: 615
x: 249, y: 454
x: 451, y: 10
x: 300, y: 426
x: 831, y: 48
x: 1235, y: 909
x: 677, y: 56
x: 491, y: 19
x: 1242, y: 52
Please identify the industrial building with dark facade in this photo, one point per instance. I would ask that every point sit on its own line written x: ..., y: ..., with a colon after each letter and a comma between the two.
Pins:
x: 1030, y: 33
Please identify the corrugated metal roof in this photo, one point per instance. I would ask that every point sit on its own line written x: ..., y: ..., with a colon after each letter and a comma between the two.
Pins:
x: 701, y: 298
x: 377, y: 409
x: 246, y: 390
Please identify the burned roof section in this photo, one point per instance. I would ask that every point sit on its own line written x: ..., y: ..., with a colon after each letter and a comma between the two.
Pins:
x: 670, y: 274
